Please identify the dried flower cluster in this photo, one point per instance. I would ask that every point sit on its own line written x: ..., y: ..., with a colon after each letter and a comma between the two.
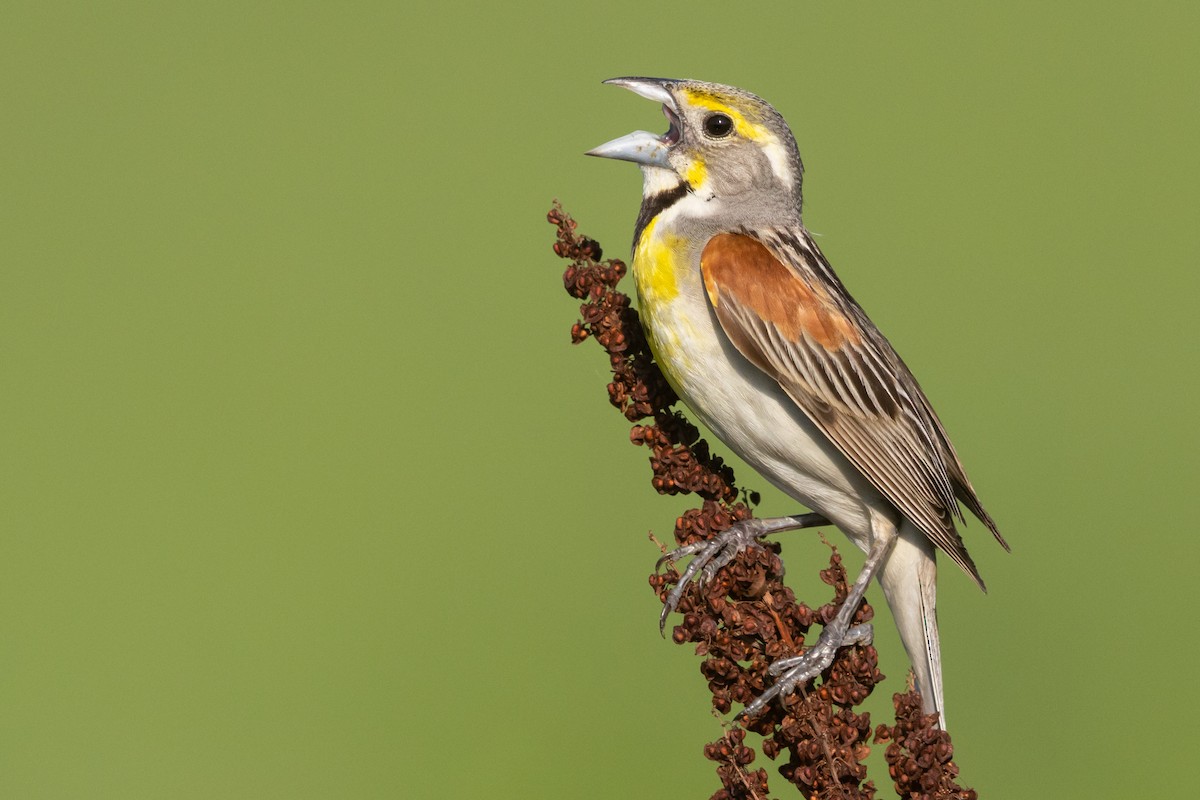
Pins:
x: 745, y: 618
x: 920, y: 757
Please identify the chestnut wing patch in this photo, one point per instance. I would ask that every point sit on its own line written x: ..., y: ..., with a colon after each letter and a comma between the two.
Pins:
x: 808, y: 335
x: 746, y: 271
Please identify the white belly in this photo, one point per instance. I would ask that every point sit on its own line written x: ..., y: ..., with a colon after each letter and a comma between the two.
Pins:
x: 747, y: 410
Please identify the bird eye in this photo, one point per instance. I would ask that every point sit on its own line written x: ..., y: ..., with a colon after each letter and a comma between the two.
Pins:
x: 718, y: 125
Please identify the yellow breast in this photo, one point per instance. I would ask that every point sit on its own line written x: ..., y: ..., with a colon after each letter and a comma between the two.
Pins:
x: 656, y: 266
x: 660, y: 275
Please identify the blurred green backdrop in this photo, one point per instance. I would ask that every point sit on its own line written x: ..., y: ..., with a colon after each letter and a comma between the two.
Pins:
x: 304, y: 490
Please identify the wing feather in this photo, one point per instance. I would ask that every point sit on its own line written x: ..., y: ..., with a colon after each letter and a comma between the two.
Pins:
x: 783, y: 308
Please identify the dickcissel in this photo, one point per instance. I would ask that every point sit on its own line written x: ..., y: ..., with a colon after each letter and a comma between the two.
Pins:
x: 761, y: 340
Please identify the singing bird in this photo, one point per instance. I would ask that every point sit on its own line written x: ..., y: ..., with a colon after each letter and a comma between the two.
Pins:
x: 761, y: 340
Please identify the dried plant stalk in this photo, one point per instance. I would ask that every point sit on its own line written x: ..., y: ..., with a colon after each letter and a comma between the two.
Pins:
x: 745, y: 618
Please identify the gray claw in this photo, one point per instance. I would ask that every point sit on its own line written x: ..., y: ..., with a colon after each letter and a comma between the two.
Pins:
x: 678, y: 553
x: 817, y: 658
x: 801, y: 669
x: 756, y: 707
x: 708, y: 557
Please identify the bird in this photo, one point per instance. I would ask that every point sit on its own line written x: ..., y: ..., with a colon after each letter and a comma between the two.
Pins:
x: 763, y: 343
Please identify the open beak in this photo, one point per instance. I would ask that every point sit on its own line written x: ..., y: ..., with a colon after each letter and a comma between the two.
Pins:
x: 643, y: 147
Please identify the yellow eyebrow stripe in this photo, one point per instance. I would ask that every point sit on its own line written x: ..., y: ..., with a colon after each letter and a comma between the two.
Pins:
x: 743, y: 126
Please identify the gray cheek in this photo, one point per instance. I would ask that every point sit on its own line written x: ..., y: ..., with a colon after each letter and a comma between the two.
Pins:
x: 740, y: 180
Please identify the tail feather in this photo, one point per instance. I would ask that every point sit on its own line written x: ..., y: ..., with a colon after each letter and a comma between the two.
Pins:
x: 909, y: 581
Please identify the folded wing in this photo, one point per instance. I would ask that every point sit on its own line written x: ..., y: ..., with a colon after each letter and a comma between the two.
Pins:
x: 786, y: 312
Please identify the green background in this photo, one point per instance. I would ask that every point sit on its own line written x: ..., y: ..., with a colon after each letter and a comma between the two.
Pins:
x: 305, y: 493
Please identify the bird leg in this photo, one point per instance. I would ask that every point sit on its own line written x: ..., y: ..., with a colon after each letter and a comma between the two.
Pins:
x: 711, y: 555
x: 837, y: 633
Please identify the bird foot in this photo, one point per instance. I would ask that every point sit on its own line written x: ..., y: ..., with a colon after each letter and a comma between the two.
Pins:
x: 708, y: 557
x: 798, y: 670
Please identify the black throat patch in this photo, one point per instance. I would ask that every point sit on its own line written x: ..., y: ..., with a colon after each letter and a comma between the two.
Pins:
x: 655, y: 204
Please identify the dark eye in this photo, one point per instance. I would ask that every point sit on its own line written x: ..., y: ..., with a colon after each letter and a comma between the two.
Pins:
x: 718, y: 125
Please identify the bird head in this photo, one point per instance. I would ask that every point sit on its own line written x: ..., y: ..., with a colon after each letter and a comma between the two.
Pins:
x: 722, y: 143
